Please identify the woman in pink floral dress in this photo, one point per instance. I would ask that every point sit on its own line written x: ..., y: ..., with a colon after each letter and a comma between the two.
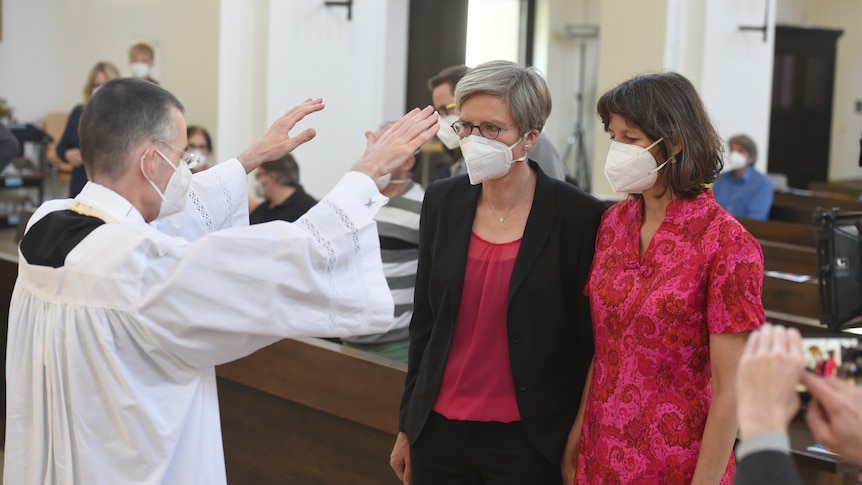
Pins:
x: 675, y: 289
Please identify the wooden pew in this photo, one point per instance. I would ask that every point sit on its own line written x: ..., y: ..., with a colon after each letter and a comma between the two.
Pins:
x: 800, y: 205
x: 310, y: 411
x: 849, y: 187
x: 801, y: 234
x: 789, y: 247
x: 789, y: 258
x: 792, y: 303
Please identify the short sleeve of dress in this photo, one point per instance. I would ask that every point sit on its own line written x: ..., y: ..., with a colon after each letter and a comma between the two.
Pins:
x: 736, y: 282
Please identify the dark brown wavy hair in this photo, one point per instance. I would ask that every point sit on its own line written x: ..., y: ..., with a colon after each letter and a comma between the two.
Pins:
x: 667, y: 106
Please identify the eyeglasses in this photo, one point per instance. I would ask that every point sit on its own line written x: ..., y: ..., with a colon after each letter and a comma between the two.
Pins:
x: 486, y: 129
x: 190, y: 159
x: 445, y: 110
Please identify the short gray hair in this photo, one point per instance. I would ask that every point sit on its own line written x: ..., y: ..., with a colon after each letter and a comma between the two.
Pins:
x: 522, y: 88
x: 120, y: 115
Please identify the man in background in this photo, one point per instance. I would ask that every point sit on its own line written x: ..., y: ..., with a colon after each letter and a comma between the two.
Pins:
x: 284, y: 197
x: 398, y: 226
x: 741, y: 189
x: 442, y: 88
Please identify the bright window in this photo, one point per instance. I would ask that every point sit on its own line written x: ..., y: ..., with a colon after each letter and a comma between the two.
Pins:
x: 493, y: 31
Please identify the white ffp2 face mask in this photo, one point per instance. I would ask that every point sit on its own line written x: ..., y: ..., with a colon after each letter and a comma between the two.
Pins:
x: 140, y: 70
x: 176, y: 192
x: 631, y: 169
x: 446, y: 134
x: 735, y: 161
x: 487, y: 159
x: 383, y: 181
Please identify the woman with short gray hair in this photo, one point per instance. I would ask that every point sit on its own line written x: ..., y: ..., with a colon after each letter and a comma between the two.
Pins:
x: 501, y: 339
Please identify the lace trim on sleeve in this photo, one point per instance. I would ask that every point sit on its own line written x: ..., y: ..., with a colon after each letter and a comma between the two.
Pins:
x: 202, y: 211
x: 330, y: 263
x: 331, y: 254
x: 228, y: 195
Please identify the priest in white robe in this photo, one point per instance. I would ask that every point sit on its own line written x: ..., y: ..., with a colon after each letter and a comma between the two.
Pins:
x: 130, y: 294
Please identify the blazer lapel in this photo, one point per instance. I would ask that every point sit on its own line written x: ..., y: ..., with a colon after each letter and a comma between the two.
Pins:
x: 540, y: 222
x: 460, y: 228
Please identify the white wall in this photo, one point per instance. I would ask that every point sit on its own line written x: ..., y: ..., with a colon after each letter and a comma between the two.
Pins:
x: 846, y: 120
x: 358, y: 67
x: 631, y: 42
x: 241, y: 107
x: 187, y: 60
x: 49, y: 46
x: 737, y: 70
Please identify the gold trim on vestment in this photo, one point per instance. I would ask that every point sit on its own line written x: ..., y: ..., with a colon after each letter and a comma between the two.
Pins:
x: 89, y: 211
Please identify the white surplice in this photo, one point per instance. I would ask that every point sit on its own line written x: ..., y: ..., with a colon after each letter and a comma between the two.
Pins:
x: 109, y: 372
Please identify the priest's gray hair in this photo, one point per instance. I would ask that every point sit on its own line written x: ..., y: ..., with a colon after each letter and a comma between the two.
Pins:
x: 522, y: 88
x: 120, y: 115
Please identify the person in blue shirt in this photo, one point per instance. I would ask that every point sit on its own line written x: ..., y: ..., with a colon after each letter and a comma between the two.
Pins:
x: 741, y: 189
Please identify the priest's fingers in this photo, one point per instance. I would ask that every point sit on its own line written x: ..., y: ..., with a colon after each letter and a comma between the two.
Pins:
x: 388, y: 150
x: 277, y: 142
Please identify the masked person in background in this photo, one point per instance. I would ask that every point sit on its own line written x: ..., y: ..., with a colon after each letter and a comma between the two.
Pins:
x: 741, y: 189
x: 442, y: 88
x: 674, y: 290
x: 141, y: 60
x: 284, y: 197
x: 200, y: 145
x: 500, y: 340
x: 398, y: 225
x: 69, y: 146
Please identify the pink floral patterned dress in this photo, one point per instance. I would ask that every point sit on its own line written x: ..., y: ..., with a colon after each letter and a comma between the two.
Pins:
x: 650, y: 392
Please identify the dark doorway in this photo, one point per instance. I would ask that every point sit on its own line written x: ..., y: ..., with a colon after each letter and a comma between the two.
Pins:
x: 437, y: 39
x: 802, y: 87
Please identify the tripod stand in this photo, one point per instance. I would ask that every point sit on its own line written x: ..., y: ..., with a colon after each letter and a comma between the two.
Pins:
x: 575, y: 144
x: 581, y: 170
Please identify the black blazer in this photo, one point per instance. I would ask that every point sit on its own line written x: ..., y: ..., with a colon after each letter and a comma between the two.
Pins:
x: 549, y: 324
x: 767, y: 468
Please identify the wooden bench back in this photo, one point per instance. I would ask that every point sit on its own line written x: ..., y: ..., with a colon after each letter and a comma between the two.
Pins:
x: 800, y: 206
x: 310, y: 411
x: 800, y: 234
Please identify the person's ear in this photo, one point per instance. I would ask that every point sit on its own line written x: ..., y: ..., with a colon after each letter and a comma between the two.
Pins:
x: 677, y: 144
x: 530, y: 139
x: 148, y: 162
x: 410, y: 163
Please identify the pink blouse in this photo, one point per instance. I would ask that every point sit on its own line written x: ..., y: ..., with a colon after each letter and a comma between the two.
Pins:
x: 477, y: 382
x: 650, y: 392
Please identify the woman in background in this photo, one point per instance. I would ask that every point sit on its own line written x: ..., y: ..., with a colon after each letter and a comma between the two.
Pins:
x: 674, y: 291
x: 200, y: 144
x: 69, y: 146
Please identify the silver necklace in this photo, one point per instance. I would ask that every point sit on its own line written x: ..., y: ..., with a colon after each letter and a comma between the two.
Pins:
x: 503, y: 218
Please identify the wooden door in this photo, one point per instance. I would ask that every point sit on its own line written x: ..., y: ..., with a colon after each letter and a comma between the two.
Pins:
x: 802, y: 87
